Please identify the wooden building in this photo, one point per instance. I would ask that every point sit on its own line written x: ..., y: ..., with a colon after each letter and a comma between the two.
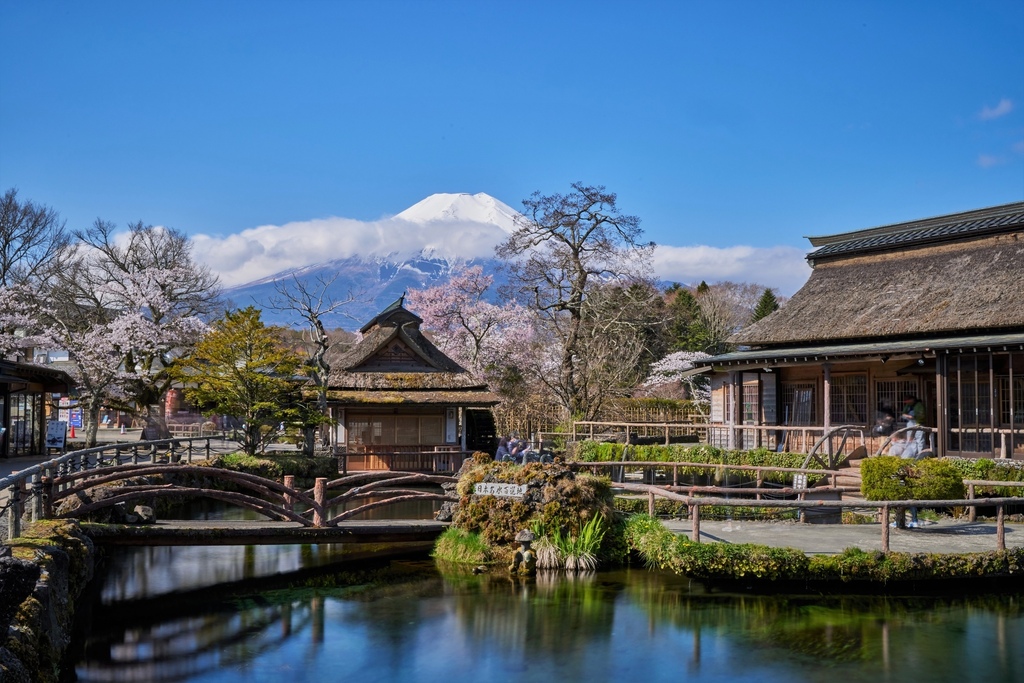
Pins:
x: 24, y: 388
x: 933, y: 308
x: 398, y: 401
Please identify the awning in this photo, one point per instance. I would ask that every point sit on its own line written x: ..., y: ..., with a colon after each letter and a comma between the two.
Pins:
x: 866, y: 351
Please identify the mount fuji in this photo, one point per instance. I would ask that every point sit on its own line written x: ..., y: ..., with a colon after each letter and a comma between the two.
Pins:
x: 419, y: 247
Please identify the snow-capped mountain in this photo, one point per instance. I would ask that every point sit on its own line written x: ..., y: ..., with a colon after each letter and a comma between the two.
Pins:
x: 442, y: 233
x: 462, y: 208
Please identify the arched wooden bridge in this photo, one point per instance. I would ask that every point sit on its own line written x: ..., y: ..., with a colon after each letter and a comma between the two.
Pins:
x: 66, y: 488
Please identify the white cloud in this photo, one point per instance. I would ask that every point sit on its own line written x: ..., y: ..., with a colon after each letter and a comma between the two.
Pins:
x: 782, y: 267
x: 988, y: 160
x: 1004, y: 107
x: 268, y: 249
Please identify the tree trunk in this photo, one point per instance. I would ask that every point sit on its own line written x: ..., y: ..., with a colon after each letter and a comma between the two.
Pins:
x: 156, y: 422
x: 91, y: 415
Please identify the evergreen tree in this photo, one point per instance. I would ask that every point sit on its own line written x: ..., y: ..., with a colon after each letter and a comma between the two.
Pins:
x: 765, y: 305
x: 243, y: 369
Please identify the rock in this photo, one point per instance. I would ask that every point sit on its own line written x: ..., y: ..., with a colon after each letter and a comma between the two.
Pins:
x: 17, y: 581
x: 145, y: 514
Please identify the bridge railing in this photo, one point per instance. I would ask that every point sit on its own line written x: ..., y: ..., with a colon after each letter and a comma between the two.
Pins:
x: 22, y: 492
x: 38, y: 491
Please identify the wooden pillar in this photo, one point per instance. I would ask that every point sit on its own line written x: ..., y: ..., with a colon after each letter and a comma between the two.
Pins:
x: 941, y: 403
x: 650, y: 503
x: 319, y: 498
x: 972, y: 511
x: 826, y: 398
x: 885, y: 528
x: 695, y: 521
x: 14, y: 511
x: 1000, y: 529
x: 289, y: 482
x: 730, y: 418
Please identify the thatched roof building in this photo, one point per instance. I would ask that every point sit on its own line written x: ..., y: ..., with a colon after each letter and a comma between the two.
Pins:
x: 932, y: 308
x: 395, y: 396
x: 951, y: 275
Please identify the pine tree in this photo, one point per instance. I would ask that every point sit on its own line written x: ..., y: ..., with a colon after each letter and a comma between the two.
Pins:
x: 765, y: 305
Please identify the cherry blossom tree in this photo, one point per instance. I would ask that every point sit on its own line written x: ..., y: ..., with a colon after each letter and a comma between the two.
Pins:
x: 672, y: 371
x: 487, y: 339
x: 144, y: 284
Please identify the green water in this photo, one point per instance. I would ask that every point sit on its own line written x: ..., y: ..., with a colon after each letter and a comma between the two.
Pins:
x: 415, y: 623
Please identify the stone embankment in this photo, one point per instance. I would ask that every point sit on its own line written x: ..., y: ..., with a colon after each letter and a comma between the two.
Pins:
x: 42, y: 575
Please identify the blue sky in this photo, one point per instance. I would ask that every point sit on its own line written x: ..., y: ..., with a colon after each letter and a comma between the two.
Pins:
x: 730, y: 128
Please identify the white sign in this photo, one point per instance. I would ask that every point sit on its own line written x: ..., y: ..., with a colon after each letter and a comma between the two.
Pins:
x: 55, y: 433
x: 799, y: 481
x: 500, y: 490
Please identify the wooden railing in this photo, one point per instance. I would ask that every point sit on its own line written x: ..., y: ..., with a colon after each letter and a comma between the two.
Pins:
x: 695, y: 503
x: 37, y: 491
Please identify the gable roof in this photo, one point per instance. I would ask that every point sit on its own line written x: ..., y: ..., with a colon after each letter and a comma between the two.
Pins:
x: 959, y: 274
x: 395, y: 363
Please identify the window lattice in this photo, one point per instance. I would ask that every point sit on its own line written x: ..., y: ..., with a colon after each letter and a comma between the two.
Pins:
x: 848, y: 400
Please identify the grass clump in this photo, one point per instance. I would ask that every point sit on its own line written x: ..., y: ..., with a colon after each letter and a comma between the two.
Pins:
x: 459, y: 546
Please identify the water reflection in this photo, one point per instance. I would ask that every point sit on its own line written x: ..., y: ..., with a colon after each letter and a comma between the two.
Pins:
x: 414, y: 623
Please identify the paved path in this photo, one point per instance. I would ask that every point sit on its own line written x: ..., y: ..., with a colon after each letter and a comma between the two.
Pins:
x: 944, y: 536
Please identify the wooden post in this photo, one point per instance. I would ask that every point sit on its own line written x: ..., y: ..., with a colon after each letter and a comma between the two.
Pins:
x: 695, y: 521
x: 675, y: 474
x: 885, y: 528
x: 972, y: 512
x: 37, y: 497
x: 760, y: 482
x: 46, y: 496
x: 289, y: 482
x: 803, y: 511
x: 1000, y: 529
x: 319, y: 497
x: 14, y: 511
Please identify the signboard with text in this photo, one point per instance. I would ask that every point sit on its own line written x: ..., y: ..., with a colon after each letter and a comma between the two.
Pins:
x: 55, y: 434
x: 500, y: 490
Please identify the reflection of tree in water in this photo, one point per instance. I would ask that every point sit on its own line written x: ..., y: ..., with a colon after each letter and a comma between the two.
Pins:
x: 880, y: 631
x: 554, y: 614
x: 385, y: 623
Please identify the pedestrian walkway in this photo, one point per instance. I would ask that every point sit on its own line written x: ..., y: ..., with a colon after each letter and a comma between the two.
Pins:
x: 943, y: 536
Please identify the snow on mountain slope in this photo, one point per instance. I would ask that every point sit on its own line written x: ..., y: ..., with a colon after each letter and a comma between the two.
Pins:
x: 442, y: 233
x: 462, y: 208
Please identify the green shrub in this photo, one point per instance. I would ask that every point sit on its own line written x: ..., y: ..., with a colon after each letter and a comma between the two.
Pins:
x: 249, y: 464
x: 937, y: 480
x: 890, y: 478
x: 991, y: 470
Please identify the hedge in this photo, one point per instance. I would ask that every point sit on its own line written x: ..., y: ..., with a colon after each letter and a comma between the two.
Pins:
x: 891, y: 478
x: 593, y: 451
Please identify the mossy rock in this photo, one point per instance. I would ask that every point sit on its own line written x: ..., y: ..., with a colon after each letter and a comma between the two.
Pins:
x: 556, y: 497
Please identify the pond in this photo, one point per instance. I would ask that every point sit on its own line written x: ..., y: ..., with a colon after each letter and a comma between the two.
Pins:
x: 166, y: 615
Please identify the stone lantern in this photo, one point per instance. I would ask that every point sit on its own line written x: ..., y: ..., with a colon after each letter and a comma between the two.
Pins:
x: 525, y: 560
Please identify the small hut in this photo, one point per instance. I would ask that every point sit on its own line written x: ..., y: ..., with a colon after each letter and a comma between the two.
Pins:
x: 932, y: 308
x: 399, y: 403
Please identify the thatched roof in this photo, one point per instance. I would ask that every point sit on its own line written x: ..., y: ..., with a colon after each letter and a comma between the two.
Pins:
x: 967, y: 283
x: 394, y: 363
